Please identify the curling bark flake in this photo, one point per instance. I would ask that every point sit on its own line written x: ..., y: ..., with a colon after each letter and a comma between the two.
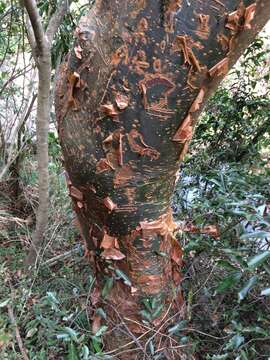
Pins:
x: 128, y: 97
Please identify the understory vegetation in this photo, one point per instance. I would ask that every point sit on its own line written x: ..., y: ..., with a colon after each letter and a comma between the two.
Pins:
x: 222, y: 207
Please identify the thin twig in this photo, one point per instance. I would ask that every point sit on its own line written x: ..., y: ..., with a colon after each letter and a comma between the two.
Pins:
x: 205, y: 334
x: 135, y: 339
x: 17, y: 332
x: 128, y: 344
x: 151, y: 329
x: 53, y: 261
x: 163, y: 323
x: 172, y: 348
x: 35, y: 19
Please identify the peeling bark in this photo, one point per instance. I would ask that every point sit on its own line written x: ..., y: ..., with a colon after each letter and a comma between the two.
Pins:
x: 148, y: 68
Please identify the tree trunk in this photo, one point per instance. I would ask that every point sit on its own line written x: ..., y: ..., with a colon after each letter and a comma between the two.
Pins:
x: 41, y: 43
x: 127, y: 100
x: 42, y: 124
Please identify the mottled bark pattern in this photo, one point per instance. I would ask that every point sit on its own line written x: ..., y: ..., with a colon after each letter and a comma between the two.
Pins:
x: 127, y: 101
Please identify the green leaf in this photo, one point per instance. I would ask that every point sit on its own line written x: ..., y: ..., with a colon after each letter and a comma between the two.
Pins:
x: 72, y: 352
x: 226, y: 265
x: 163, y: 254
x: 265, y: 292
x: 244, y: 355
x: 255, y: 235
x: 107, y: 287
x: 52, y: 298
x: 220, y: 357
x: 4, y: 303
x: 62, y: 336
x: 244, y: 291
x: 152, y: 348
x: 72, y: 333
x: 31, y: 332
x: 146, y: 315
x: 85, y: 353
x: 96, y: 345
x: 229, y: 282
x: 123, y: 276
x: 235, y: 342
x: 266, y: 268
x: 155, y: 302
x: 178, y: 327
x: 214, y: 181
x: 258, y: 259
x: 184, y: 340
x: 157, y: 312
x: 102, y: 330
x: 147, y: 304
x: 101, y: 313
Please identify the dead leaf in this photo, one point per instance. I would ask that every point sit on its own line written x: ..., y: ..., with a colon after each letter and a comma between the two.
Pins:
x: 96, y: 324
x: 113, y: 254
x: 211, y: 230
x: 95, y: 296
x: 191, y: 228
x: 177, y: 278
x: 109, y: 110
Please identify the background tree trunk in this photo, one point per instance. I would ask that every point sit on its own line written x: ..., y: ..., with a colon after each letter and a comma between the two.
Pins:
x: 41, y: 43
x: 127, y: 100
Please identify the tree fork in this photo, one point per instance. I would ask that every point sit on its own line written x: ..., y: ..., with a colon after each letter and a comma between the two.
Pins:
x: 128, y: 97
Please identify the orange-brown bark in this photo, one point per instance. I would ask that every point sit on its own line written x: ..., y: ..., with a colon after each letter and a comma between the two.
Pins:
x: 128, y: 98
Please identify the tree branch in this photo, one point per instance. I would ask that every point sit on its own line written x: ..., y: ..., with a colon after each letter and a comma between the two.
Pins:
x: 57, y: 19
x: 31, y: 37
x: 35, y: 19
x: 244, y: 39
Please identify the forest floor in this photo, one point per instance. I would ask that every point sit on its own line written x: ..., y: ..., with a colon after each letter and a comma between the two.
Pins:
x: 48, y: 314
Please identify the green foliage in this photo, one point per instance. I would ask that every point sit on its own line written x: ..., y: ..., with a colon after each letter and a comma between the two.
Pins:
x: 10, y: 28
x: 64, y: 37
x: 225, y: 183
x: 52, y: 307
x: 235, y: 126
x: 51, y: 311
x: 152, y: 309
